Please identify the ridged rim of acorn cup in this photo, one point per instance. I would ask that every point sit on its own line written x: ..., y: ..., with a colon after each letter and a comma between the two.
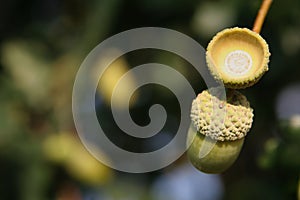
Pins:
x: 238, y: 57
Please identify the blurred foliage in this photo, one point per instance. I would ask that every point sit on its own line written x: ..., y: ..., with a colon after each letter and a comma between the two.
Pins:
x: 42, y: 45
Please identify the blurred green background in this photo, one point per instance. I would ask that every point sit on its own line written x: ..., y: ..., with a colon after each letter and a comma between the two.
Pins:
x: 42, y: 44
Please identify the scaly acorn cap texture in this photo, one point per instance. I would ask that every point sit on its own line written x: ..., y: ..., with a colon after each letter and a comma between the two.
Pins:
x: 222, y: 120
x: 238, y: 57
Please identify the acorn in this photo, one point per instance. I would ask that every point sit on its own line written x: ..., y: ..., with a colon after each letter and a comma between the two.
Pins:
x: 217, y: 131
x: 238, y: 57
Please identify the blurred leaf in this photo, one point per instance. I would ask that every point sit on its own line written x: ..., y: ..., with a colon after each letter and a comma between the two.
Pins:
x: 66, y: 150
x: 29, y: 70
x: 110, y: 79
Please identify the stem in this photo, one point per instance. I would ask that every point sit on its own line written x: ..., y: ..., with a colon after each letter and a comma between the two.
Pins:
x: 229, y: 94
x: 261, y: 15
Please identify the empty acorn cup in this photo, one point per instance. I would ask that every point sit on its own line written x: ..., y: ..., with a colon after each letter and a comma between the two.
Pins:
x: 238, y: 57
x: 217, y: 136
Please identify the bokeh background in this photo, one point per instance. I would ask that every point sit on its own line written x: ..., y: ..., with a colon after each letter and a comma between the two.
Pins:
x: 42, y: 44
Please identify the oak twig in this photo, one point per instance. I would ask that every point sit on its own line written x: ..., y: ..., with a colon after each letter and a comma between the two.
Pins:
x: 261, y: 15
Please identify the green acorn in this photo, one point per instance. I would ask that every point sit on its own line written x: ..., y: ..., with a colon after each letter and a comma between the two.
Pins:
x: 238, y: 57
x: 217, y: 132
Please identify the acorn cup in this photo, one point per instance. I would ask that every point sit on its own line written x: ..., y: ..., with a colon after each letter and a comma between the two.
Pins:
x: 238, y: 57
x: 217, y: 132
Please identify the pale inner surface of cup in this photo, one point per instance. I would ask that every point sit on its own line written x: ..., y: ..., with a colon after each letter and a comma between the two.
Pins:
x: 238, y: 63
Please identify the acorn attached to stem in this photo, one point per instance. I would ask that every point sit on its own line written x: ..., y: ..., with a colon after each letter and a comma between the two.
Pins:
x: 237, y: 57
x: 217, y: 132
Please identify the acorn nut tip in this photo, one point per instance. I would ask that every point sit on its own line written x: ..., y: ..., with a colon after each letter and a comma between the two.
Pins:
x: 221, y: 156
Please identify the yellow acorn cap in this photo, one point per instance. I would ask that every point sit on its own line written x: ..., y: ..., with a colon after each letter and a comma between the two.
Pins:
x: 232, y: 124
x: 238, y: 57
